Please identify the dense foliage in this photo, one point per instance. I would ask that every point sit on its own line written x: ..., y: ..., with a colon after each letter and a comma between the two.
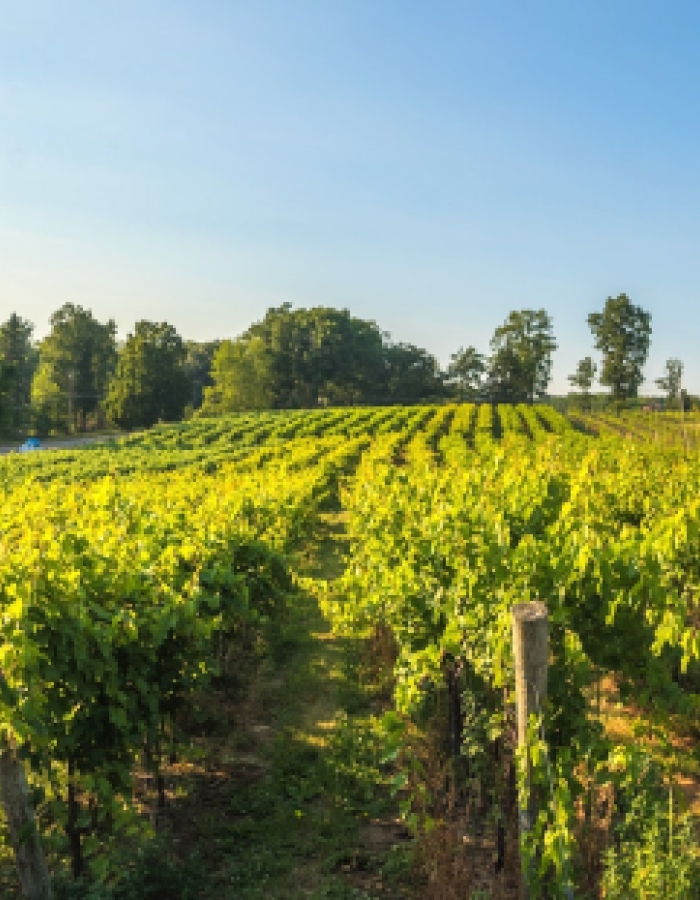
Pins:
x: 80, y: 378
x: 608, y: 532
x: 307, y: 357
x: 130, y: 572
x: 622, y: 332
x: 150, y: 383
x: 520, y: 368
x: 76, y: 361
x: 18, y: 359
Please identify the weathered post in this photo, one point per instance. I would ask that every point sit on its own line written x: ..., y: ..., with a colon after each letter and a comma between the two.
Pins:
x: 531, y: 652
x: 35, y: 881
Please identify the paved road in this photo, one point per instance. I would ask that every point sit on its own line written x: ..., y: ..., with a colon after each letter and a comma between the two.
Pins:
x: 61, y: 443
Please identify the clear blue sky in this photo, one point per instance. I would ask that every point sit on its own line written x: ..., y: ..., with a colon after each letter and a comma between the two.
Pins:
x: 430, y: 166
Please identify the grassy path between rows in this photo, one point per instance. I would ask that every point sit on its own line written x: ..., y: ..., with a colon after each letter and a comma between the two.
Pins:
x: 289, y: 798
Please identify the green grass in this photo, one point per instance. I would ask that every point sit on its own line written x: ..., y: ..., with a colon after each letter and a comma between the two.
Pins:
x: 295, y: 832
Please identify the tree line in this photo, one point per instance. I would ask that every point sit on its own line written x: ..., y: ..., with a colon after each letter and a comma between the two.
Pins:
x: 79, y: 377
x: 520, y: 365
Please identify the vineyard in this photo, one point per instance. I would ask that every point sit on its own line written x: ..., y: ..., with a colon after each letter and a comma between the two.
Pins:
x: 147, y: 579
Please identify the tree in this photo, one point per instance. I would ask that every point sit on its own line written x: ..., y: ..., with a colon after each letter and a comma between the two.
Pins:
x: 321, y: 352
x: 150, y: 383
x: 670, y: 383
x: 76, y: 361
x: 304, y: 357
x: 298, y: 358
x: 198, y: 365
x: 583, y: 379
x: 19, y: 356
x: 520, y: 368
x: 49, y: 402
x: 622, y: 333
x: 242, y: 378
x: 7, y: 378
x: 466, y: 372
x: 412, y: 375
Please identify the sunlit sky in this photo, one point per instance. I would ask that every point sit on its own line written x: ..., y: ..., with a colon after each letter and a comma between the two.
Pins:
x: 430, y: 166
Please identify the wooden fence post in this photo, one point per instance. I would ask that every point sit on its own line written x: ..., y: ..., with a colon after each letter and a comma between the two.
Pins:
x: 35, y: 881
x: 531, y: 652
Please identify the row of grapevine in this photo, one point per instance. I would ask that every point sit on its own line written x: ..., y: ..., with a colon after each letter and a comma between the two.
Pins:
x: 122, y: 596
x: 206, y: 444
x: 209, y: 443
x: 607, y: 533
x: 128, y: 571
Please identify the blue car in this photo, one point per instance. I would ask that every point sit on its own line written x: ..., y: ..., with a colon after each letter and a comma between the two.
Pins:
x: 31, y: 443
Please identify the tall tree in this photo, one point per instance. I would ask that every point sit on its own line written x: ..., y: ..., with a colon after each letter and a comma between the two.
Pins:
x: 19, y: 357
x: 303, y: 357
x: 521, y: 364
x: 297, y: 358
x: 7, y: 379
x: 583, y: 379
x: 412, y: 375
x: 198, y: 365
x: 49, y: 402
x: 321, y: 353
x: 622, y: 332
x: 466, y: 372
x: 670, y: 383
x: 76, y: 360
x: 150, y: 383
x: 242, y: 378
